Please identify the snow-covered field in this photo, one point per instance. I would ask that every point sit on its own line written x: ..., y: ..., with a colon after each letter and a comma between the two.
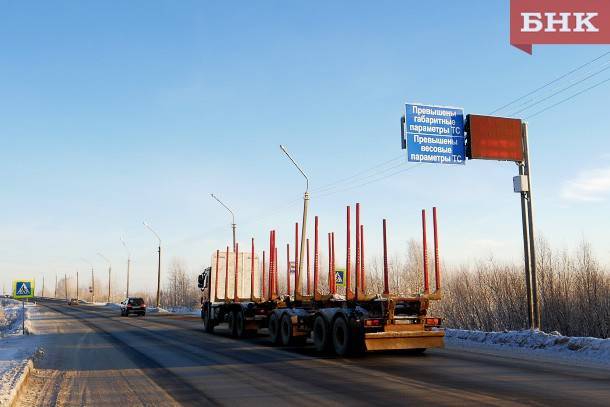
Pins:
x: 16, y: 350
x: 535, y: 344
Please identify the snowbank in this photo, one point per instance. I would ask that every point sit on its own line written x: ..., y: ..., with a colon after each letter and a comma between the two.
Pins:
x: 16, y: 350
x: 185, y: 310
x: 11, y: 315
x: 552, y: 344
x: 156, y: 310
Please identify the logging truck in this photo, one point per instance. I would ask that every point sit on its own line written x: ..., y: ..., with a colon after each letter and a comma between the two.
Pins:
x: 242, y: 291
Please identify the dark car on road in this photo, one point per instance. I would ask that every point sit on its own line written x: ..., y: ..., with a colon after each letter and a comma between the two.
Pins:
x: 133, y: 305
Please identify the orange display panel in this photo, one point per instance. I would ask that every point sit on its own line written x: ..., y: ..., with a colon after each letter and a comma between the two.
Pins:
x: 494, y: 138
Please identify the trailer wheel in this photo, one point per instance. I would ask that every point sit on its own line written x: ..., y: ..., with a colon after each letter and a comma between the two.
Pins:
x: 240, y: 324
x: 208, y: 325
x: 321, y: 337
x: 286, y: 330
x: 274, y: 328
x: 232, y: 324
x: 341, y: 337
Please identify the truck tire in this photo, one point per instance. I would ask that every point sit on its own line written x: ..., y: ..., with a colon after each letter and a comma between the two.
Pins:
x: 274, y: 328
x: 232, y: 324
x: 321, y: 334
x: 341, y: 337
x: 208, y: 324
x: 240, y: 324
x: 286, y: 330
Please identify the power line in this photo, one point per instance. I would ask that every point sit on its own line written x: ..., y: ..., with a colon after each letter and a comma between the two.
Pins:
x: 551, y: 82
x: 339, y: 181
x: 569, y: 97
x: 359, y: 179
x: 369, y: 182
x: 562, y: 90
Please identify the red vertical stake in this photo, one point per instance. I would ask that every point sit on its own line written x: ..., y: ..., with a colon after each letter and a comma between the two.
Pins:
x: 263, y: 292
x: 216, y: 276
x: 227, y: 275
x: 348, y: 266
x: 358, y: 286
x: 270, y: 283
x: 316, y: 264
x: 437, y: 259
x: 288, y: 269
x: 330, y: 266
x: 235, y: 292
x: 275, y: 273
x: 425, y: 252
x: 332, y: 273
x: 308, y: 270
x: 386, y: 279
x: 362, y: 275
x: 296, y: 258
x: 252, y: 272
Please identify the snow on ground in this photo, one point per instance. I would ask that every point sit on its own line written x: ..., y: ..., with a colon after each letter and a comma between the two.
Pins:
x: 535, y: 344
x: 185, y: 310
x: 16, y: 350
x: 11, y: 314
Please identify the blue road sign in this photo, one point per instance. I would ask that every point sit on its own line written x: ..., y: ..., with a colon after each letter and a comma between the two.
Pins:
x: 23, y: 289
x: 435, y: 134
x: 340, y: 277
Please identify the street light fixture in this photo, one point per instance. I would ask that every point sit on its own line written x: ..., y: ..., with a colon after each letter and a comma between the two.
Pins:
x: 159, y: 264
x: 128, y: 264
x: 233, y: 225
x: 297, y: 283
x: 92, y: 280
x: 109, y: 272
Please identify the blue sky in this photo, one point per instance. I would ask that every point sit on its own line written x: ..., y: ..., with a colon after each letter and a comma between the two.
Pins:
x: 118, y: 112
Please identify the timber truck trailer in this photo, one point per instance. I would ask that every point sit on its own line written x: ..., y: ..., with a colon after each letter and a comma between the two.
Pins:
x: 347, y: 323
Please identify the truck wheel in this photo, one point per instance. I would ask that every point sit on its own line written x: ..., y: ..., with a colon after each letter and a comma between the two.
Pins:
x: 274, y: 328
x: 341, y: 337
x: 240, y: 324
x: 232, y: 324
x: 286, y: 330
x: 208, y: 326
x: 321, y: 337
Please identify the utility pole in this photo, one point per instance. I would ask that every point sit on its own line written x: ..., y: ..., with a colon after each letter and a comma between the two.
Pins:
x: 42, y: 287
x: 128, y: 264
x: 55, y: 294
x: 233, y: 225
x: 523, y: 185
x: 77, y: 286
x: 92, y: 288
x: 66, y: 286
x: 298, y: 282
x: 159, y: 264
x: 532, y: 238
x: 109, y: 273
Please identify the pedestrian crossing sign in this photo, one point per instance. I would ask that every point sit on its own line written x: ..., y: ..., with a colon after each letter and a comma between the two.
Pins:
x: 340, y: 277
x: 23, y: 289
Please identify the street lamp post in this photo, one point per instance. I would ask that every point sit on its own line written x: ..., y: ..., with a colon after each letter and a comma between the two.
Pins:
x: 109, y: 272
x: 159, y: 264
x: 128, y: 264
x: 297, y: 284
x: 233, y: 225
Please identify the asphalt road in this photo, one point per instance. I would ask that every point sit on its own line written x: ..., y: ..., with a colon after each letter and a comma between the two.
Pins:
x: 95, y: 357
